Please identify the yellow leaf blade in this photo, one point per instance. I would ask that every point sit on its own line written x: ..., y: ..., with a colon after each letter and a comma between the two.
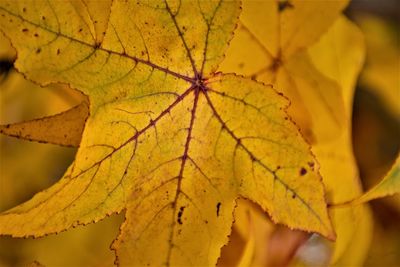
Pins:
x: 61, y: 129
x: 183, y: 212
x: 296, y: 186
x: 346, y: 59
x: 167, y: 138
x: 306, y: 22
x: 338, y: 167
x: 388, y: 186
x: 321, y: 96
x: 276, y: 55
x: 354, y: 227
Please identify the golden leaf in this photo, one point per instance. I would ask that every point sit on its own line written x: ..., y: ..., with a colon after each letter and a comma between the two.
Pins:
x: 167, y: 138
x: 353, y: 225
x: 275, y: 37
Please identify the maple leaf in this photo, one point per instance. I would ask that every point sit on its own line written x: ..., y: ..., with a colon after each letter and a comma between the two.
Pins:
x: 277, y: 53
x: 337, y: 57
x: 168, y: 139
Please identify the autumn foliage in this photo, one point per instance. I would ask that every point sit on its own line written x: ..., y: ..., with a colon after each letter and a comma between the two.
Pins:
x: 220, y: 130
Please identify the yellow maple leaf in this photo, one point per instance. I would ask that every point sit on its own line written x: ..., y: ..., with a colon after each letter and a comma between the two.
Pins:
x: 276, y: 53
x: 168, y: 139
x: 337, y: 57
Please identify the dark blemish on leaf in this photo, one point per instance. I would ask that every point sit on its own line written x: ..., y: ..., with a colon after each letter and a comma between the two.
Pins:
x: 218, y: 208
x: 293, y: 196
x: 95, y: 21
x: 58, y: 51
x: 80, y: 30
x: 25, y: 30
x: 43, y: 18
x: 311, y: 164
x: 241, y: 65
x: 303, y: 171
x: 36, y: 35
x: 180, y: 212
x: 24, y: 9
x: 38, y: 50
x: 282, y: 5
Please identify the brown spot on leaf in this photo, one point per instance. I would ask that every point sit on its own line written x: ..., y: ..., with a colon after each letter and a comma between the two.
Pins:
x: 282, y: 5
x: 180, y: 212
x: 218, y: 208
x: 303, y: 171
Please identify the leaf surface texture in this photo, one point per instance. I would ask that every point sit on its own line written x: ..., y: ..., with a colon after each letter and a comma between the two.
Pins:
x: 168, y: 139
